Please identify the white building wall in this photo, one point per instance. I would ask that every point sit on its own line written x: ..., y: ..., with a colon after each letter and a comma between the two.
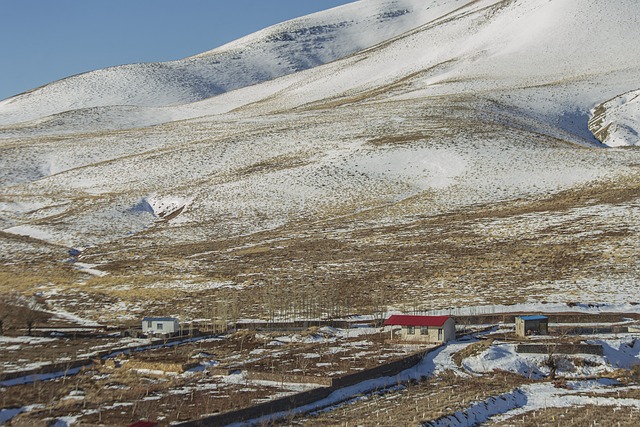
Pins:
x: 160, y: 326
x: 431, y: 334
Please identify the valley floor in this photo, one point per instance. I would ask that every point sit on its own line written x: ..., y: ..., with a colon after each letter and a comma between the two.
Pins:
x: 481, y: 377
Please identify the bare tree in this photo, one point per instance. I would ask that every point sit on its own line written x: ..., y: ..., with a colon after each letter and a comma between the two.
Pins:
x: 551, y: 361
x: 30, y: 312
x: 554, y: 360
x: 10, y: 309
x: 5, y: 311
x: 379, y: 302
x: 302, y: 363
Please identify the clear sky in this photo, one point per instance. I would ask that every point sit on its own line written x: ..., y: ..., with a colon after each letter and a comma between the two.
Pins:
x: 46, y: 40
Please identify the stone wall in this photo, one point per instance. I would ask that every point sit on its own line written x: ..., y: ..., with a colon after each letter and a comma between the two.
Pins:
x: 178, y: 368
x: 385, y: 370
x: 288, y: 403
x: 560, y: 349
x: 271, y: 407
x: 288, y: 378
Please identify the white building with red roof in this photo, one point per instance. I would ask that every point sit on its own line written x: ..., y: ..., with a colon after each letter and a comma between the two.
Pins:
x: 427, y: 329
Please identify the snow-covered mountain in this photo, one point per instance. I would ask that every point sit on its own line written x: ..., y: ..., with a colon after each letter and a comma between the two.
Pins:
x: 361, y: 126
x: 279, y: 50
x: 542, y: 57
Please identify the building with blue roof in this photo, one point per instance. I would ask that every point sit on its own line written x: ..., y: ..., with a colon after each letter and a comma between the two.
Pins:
x: 532, y: 325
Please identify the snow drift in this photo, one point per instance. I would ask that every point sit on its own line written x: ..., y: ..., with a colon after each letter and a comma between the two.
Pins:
x: 617, y: 122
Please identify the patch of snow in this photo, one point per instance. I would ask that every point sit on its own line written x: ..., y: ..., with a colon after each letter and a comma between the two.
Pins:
x: 621, y: 352
x: 618, y: 353
x: 25, y: 340
x: 618, y: 121
x: 37, y: 233
x: 546, y: 395
x: 480, y: 412
x: 89, y: 269
x: 504, y: 357
x: 70, y: 317
x: 8, y: 414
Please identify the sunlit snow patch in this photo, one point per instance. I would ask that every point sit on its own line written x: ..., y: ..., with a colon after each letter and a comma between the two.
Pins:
x: 616, y: 123
x: 35, y: 233
x: 163, y: 208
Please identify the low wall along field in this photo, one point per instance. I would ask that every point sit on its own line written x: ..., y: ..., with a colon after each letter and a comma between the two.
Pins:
x: 385, y: 370
x: 289, y: 378
x: 178, y: 368
x: 290, y: 402
x: 560, y: 349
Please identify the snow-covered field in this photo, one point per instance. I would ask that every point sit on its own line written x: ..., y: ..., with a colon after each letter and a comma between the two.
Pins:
x: 362, y: 127
x: 316, y: 355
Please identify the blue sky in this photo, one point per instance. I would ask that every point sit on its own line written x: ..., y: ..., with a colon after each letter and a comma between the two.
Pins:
x: 46, y: 40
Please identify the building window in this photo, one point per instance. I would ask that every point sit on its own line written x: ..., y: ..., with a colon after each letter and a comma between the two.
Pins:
x: 149, y: 324
x: 424, y: 330
x: 159, y: 327
x: 440, y: 334
x: 411, y: 330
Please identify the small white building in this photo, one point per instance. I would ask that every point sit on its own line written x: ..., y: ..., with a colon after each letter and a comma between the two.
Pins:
x: 160, y: 326
x: 428, y: 329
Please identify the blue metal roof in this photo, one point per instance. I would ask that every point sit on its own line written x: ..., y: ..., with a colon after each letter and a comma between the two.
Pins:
x: 159, y: 319
x: 533, y: 317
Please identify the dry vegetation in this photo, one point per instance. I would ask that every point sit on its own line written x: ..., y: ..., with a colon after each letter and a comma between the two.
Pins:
x: 476, y: 256
x: 422, y: 401
x: 577, y: 416
x: 120, y: 397
x: 368, y: 241
x: 151, y: 384
x: 465, y: 258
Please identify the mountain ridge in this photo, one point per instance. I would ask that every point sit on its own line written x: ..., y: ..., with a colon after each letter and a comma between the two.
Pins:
x: 489, y: 38
x: 275, y: 51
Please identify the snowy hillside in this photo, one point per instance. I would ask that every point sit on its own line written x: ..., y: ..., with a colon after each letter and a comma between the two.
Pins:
x: 276, y: 51
x: 418, y: 144
x: 540, y: 58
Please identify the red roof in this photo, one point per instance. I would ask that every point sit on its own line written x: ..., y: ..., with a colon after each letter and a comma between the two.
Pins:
x: 406, y: 320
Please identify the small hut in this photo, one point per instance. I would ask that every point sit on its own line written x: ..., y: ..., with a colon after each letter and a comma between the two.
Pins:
x: 532, y: 325
x: 163, y: 326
